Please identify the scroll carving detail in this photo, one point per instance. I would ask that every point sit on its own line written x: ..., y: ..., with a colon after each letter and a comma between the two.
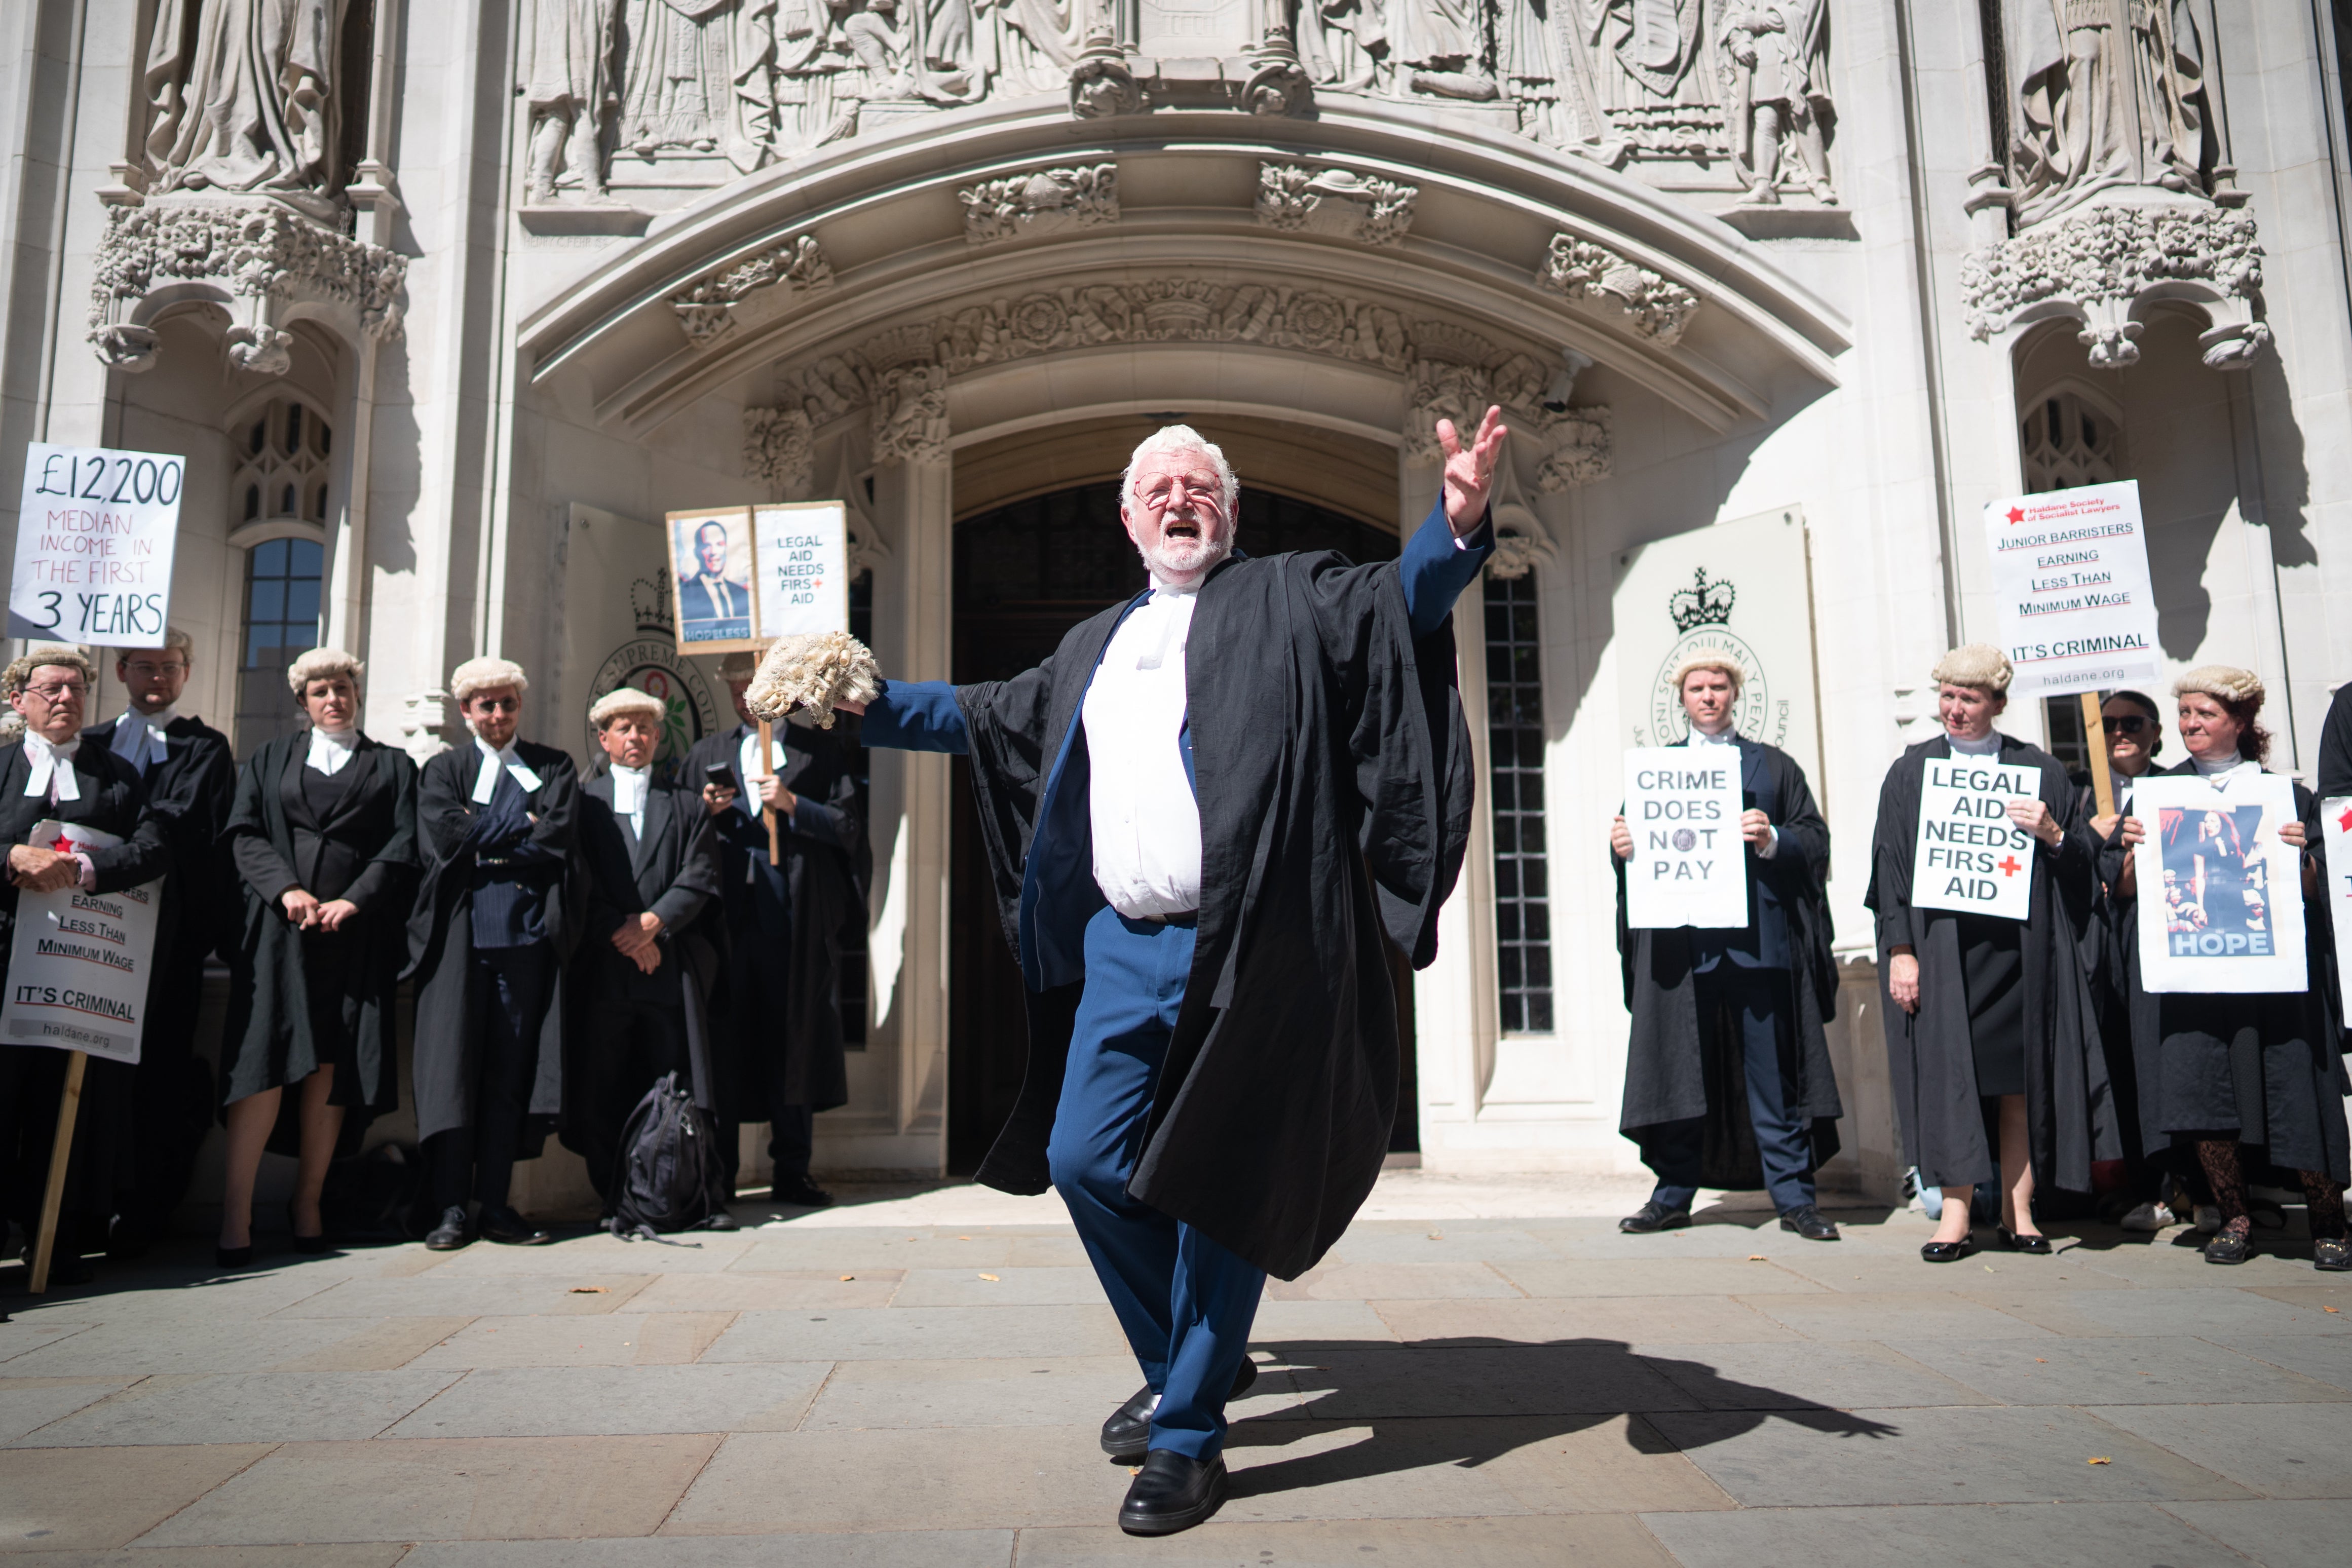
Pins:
x: 1339, y: 202
x: 1044, y: 202
x: 1659, y: 307
x: 705, y: 308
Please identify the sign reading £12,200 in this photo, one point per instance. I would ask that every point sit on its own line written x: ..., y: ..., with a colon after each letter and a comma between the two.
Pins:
x: 1689, y: 866
x: 1968, y: 855
x: 2076, y: 610
x: 94, y: 536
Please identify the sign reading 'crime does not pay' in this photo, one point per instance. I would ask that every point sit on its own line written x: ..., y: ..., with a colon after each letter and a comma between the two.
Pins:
x: 1969, y: 856
x: 2070, y: 589
x: 94, y: 536
x: 1689, y: 866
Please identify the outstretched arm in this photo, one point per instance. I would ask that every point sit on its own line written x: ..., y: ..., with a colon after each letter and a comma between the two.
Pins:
x: 913, y: 716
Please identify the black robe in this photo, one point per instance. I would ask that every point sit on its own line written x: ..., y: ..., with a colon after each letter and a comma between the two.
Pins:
x: 1332, y: 767
x: 2336, y: 746
x: 776, y: 1030
x: 2070, y: 1113
x: 2266, y: 1065
x: 441, y: 933
x: 364, y: 851
x: 1677, y: 1070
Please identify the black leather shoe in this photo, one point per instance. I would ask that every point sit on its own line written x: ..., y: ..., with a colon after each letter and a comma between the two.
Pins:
x: 1653, y: 1217
x: 2228, y: 1246
x: 450, y: 1234
x: 1949, y: 1251
x: 1127, y: 1436
x: 503, y: 1224
x: 232, y: 1256
x: 2332, y: 1253
x: 1808, y: 1222
x: 2036, y: 1244
x: 1171, y: 1492
x: 720, y: 1221
x: 801, y: 1192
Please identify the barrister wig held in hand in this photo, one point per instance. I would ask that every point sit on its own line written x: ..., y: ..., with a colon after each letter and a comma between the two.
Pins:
x: 627, y: 699
x: 486, y: 675
x: 1697, y: 662
x: 800, y: 678
x: 20, y: 673
x: 1977, y: 664
x: 2240, y: 693
x: 322, y: 664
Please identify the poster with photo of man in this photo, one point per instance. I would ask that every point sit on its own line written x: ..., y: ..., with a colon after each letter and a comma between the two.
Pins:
x: 2229, y: 893
x: 712, y: 577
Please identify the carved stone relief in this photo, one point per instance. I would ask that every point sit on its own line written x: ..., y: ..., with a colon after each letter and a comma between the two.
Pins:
x: 1047, y: 202
x: 910, y: 415
x: 260, y: 260
x: 1571, y: 443
x: 1336, y: 202
x: 244, y: 98
x: 779, y: 446
x: 705, y: 308
x: 1658, y: 308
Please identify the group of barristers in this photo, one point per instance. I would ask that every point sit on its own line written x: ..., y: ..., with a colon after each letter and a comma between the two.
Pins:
x: 571, y: 940
x: 2021, y: 1053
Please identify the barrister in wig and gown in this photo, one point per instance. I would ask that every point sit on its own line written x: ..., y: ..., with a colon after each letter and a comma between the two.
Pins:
x: 323, y: 836
x: 2258, y: 1078
x: 776, y: 1023
x: 1728, y: 1076
x: 50, y: 773
x: 641, y: 975
x: 1992, y: 1036
x: 495, y: 921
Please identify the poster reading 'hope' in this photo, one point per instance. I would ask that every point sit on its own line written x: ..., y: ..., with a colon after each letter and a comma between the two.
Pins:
x: 1969, y: 856
x: 94, y: 535
x: 2220, y: 893
x: 1689, y: 866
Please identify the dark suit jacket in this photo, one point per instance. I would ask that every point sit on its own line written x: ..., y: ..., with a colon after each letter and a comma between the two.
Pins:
x: 695, y: 602
x: 672, y: 871
x: 113, y: 801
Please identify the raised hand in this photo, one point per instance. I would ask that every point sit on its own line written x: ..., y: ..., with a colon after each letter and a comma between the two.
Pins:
x: 1470, y: 470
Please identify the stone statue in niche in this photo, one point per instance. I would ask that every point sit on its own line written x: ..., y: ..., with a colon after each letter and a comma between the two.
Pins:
x: 1442, y: 47
x: 244, y: 99
x: 572, y: 92
x: 698, y: 76
x: 1643, y: 74
x: 1777, y: 56
x: 2104, y: 93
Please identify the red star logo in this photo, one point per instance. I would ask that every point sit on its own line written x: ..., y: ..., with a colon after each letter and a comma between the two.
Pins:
x: 2017, y: 514
x: 2344, y: 822
x: 2008, y: 867
x: 62, y: 845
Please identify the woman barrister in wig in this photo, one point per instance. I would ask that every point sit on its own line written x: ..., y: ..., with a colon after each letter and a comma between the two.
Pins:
x: 2220, y: 1073
x: 323, y: 834
x: 1990, y: 1036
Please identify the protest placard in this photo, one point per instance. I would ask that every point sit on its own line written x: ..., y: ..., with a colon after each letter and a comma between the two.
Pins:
x: 2335, y: 834
x: 1968, y: 855
x: 2221, y: 896
x: 802, y: 551
x: 1689, y: 866
x: 2071, y: 590
x: 79, y: 965
x: 94, y: 533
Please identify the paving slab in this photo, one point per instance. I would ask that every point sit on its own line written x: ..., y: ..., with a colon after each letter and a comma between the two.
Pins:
x: 1580, y: 1378
x: 2164, y: 1310
x: 1655, y: 1277
x: 845, y: 1251
x: 1439, y: 1244
x: 1006, y: 1284
x: 1866, y: 1273
x: 773, y: 1483
x: 25, y: 1334
x: 2136, y: 1371
x: 379, y: 1346
x: 55, y: 1499
x: 597, y: 1253
x: 438, y: 1294
x: 2280, y: 1450
x: 1911, y: 1314
x: 341, y: 1554
x: 2047, y: 1535
x: 582, y: 1401
x: 1299, y: 1325
x: 1693, y: 1319
x: 2328, y: 1360
x: 1855, y: 1374
x: 2275, y: 1534
x: 768, y: 1292
x: 1600, y: 1538
x: 900, y: 1333
x: 620, y: 1339
x: 2167, y: 1261
x: 26, y: 1405
x: 1807, y: 1459
x: 1392, y: 1281
x: 460, y: 1489
x: 244, y: 1408
x: 224, y: 1345
x: 1059, y: 1391
x: 889, y: 1549
x: 182, y: 1296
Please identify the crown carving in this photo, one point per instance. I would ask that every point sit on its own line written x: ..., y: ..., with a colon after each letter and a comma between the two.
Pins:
x: 1702, y: 603
x: 650, y: 605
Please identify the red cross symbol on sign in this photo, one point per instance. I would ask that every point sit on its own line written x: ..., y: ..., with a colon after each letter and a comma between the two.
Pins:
x: 2009, y: 866
x: 2344, y: 822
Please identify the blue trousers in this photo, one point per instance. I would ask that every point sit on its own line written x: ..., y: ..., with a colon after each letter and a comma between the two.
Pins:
x: 1759, y: 998
x: 1185, y: 1302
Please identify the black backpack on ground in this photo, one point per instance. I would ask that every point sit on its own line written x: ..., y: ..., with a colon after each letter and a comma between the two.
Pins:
x: 670, y: 1175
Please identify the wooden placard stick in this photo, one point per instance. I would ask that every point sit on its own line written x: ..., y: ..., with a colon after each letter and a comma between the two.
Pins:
x: 2103, y: 783
x: 768, y: 770
x: 61, y: 1155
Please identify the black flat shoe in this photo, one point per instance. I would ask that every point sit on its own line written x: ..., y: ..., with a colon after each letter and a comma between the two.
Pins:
x: 720, y: 1221
x: 1652, y: 1217
x: 2226, y: 1247
x: 1947, y: 1251
x: 2332, y: 1254
x: 504, y: 1226
x: 800, y: 1193
x: 1808, y: 1222
x: 232, y: 1256
x: 2036, y: 1244
x: 1171, y: 1492
x: 450, y: 1234
x: 1127, y: 1436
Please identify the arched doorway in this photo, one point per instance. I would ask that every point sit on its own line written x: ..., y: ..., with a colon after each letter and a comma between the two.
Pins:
x: 1024, y: 574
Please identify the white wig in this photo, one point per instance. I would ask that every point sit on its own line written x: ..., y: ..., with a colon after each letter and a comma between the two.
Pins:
x: 1181, y: 438
x: 322, y: 664
x: 1977, y: 664
x: 1728, y: 667
x: 486, y: 675
x: 624, y: 699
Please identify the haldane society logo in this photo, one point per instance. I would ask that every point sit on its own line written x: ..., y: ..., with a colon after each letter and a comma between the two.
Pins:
x: 1702, y: 614
x: 651, y: 664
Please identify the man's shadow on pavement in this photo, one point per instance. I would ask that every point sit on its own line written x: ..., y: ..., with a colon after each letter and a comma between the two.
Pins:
x: 1467, y: 1402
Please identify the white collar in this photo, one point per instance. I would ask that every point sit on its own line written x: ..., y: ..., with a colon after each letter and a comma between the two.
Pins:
x: 630, y: 786
x: 1989, y: 747
x: 330, y: 749
x: 139, y: 737
x: 52, y: 764
x: 1728, y: 735
x: 485, y: 783
x: 2225, y: 770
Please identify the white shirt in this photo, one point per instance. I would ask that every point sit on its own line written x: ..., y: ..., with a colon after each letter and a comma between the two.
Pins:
x: 139, y: 737
x: 485, y: 783
x: 330, y: 749
x: 1989, y: 747
x: 1147, y: 824
x: 1730, y: 736
x: 629, y: 785
x: 2222, y: 774
x: 52, y: 775
x: 747, y: 758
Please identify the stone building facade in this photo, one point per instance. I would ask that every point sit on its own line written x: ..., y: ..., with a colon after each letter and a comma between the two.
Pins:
x: 448, y: 301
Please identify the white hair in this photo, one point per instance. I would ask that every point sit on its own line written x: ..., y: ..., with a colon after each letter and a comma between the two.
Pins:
x: 486, y: 675
x: 322, y: 664
x: 1181, y: 438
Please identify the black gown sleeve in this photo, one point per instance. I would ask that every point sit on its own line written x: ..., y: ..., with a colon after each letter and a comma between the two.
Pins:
x: 2336, y: 746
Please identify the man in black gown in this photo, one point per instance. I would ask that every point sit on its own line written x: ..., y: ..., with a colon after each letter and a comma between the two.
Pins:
x: 191, y: 776
x: 1207, y: 815
x: 1731, y: 1021
x: 493, y: 921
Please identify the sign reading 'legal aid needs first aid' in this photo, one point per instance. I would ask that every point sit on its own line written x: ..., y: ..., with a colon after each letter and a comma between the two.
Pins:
x: 94, y: 536
x: 1969, y: 856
